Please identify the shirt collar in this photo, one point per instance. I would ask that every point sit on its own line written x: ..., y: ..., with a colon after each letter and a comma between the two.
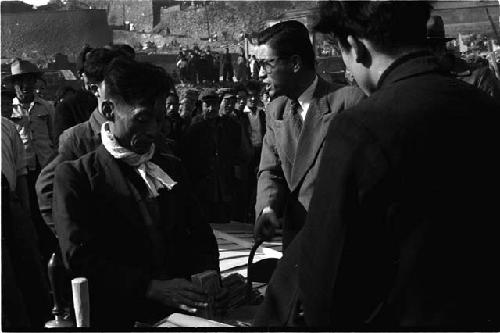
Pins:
x: 306, y: 97
x: 16, y: 101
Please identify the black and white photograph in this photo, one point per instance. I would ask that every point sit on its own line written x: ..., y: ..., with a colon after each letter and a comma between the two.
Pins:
x: 326, y: 165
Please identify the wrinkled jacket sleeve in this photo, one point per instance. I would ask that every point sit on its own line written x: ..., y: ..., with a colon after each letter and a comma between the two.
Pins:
x: 44, y: 184
x: 80, y: 252
x: 272, y: 187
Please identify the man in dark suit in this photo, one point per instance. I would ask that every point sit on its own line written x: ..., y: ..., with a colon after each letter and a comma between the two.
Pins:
x: 402, y: 231
x: 210, y: 152
x: 296, y: 125
x: 124, y: 214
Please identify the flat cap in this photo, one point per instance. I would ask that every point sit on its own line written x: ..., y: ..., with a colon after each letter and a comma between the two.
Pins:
x: 208, y: 93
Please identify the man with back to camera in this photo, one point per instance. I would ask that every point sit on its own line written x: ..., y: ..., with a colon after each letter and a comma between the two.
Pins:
x: 296, y: 125
x: 402, y: 231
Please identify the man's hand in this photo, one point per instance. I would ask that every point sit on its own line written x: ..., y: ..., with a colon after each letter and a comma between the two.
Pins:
x: 178, y: 293
x: 266, y: 225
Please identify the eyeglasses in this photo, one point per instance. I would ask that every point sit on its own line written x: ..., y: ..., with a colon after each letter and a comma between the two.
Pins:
x: 269, y: 64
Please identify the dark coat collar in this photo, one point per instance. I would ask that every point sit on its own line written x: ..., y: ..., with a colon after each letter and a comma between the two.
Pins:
x: 96, y: 120
x: 411, y: 64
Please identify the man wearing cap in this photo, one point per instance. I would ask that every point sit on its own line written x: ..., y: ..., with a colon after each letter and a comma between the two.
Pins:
x: 481, y: 77
x: 227, y: 109
x: 211, y: 152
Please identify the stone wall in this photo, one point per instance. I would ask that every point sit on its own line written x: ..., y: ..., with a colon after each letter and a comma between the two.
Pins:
x: 227, y: 19
x: 39, y: 35
x: 138, y: 12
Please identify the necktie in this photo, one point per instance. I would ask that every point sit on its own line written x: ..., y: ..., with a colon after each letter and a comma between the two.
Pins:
x: 296, y: 117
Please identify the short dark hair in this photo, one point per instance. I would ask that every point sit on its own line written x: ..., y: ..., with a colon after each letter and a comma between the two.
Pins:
x: 389, y: 25
x: 136, y: 82
x: 289, y: 38
x: 125, y: 49
x: 96, y: 62
x: 82, y: 56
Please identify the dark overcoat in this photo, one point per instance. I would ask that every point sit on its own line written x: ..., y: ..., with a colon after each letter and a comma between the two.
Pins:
x: 288, y: 164
x: 402, y: 230
x: 210, y: 151
x: 104, y: 237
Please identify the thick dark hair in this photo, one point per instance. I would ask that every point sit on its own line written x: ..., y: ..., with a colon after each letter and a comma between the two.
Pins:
x: 82, y: 56
x: 136, y: 82
x: 389, y: 25
x: 289, y: 38
x: 125, y: 49
x: 96, y: 62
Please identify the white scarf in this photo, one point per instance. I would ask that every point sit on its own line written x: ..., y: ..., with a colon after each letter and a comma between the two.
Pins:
x: 154, y: 177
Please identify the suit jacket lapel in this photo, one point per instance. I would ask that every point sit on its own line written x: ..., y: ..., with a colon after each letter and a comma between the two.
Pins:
x: 288, y: 137
x: 313, y: 134
x: 119, y: 188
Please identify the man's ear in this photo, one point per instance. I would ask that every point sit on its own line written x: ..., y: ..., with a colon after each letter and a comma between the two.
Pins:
x: 108, y: 110
x: 296, y: 63
x: 359, y: 50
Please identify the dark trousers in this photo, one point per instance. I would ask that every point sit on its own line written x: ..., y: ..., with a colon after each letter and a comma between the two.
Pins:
x: 47, y: 242
x: 253, y: 168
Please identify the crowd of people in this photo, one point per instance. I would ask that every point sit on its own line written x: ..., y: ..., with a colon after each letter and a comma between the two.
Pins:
x: 380, y: 187
x: 197, y: 66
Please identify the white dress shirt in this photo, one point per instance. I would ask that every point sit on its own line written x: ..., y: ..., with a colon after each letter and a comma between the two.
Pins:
x: 306, y: 98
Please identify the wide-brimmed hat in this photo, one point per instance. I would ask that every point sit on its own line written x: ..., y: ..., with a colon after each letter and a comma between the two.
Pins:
x: 22, y: 67
x: 435, y: 30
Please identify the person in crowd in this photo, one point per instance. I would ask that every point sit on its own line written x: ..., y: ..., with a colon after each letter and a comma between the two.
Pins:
x: 83, y: 138
x: 296, y: 127
x: 210, y: 153
x: 25, y: 294
x: 227, y: 67
x: 182, y: 67
x: 402, y: 229
x: 241, y: 100
x: 188, y: 105
x: 178, y: 125
x: 76, y: 108
x: 480, y: 76
x: 241, y: 72
x: 239, y: 204
x: 125, y: 186
x: 33, y: 118
x: 253, y: 123
x: 254, y: 68
x: 228, y: 101
x: 209, y: 70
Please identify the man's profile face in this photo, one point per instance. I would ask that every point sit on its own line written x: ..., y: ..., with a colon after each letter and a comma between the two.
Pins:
x: 279, y: 75
x: 172, y: 105
x: 24, y: 86
x: 136, y: 126
x: 210, y: 108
